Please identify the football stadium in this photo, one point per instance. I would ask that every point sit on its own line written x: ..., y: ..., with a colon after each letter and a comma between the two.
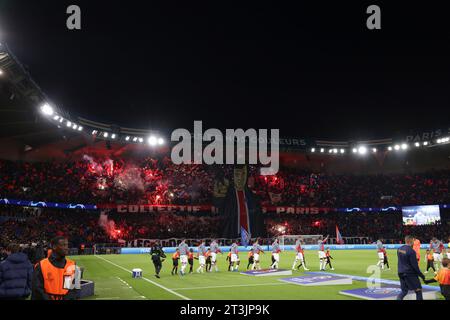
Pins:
x: 114, y: 186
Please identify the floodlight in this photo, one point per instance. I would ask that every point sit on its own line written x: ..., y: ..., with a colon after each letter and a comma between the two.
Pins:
x: 152, y: 141
x: 362, y: 150
x: 46, y: 109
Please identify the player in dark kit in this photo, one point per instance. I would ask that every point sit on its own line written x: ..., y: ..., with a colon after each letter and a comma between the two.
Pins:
x: 175, y: 258
x: 158, y: 256
x: 328, y: 257
x: 408, y: 270
x: 191, y: 260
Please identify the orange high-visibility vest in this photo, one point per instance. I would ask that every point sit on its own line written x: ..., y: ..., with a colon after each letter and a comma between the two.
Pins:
x: 49, y: 253
x: 54, y: 278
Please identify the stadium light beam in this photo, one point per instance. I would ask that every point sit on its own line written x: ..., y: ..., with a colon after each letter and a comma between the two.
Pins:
x: 1, y: 72
x: 105, y: 134
x: 127, y: 138
x: 313, y: 150
x: 404, y: 146
x: 69, y: 124
x: 397, y: 147
x: 160, y: 141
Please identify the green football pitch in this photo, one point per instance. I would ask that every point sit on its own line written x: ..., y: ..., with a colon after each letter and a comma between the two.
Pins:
x: 113, y: 280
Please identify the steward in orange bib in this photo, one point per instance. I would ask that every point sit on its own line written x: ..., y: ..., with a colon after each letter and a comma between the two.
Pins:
x: 53, y: 276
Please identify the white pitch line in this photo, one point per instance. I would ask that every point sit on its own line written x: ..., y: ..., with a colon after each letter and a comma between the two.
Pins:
x: 110, y: 298
x: 232, y: 286
x: 148, y: 280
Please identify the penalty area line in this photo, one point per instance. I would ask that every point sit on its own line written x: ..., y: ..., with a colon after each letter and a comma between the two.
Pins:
x: 148, y: 280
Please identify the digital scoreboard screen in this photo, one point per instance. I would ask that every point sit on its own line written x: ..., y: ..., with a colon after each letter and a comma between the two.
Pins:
x: 421, y: 215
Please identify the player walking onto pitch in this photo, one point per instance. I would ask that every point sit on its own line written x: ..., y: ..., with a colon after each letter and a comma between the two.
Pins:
x: 416, y: 248
x: 300, y: 256
x: 214, y: 247
x: 256, y: 249
x: 328, y: 257
x: 175, y: 258
x: 208, y: 260
x: 234, y: 258
x: 437, y: 247
x: 386, y: 262
x: 275, y: 254
x: 201, y: 257
x: 184, y: 251
x: 158, y: 257
x: 380, y: 252
x: 408, y: 270
x: 250, y: 259
x: 191, y: 260
x: 430, y: 261
x: 322, y: 255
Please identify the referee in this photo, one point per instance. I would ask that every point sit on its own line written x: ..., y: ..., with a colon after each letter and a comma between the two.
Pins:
x: 157, y: 254
x: 408, y: 270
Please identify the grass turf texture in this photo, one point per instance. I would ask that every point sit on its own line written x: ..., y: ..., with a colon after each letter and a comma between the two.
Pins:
x: 113, y: 280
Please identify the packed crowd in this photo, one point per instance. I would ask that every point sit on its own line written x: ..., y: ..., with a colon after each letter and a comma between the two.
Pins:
x: 89, y: 228
x: 159, y: 181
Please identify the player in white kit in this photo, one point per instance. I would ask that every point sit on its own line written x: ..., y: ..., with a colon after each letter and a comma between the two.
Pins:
x: 201, y: 257
x: 299, y: 256
x: 275, y: 254
x: 256, y: 249
x: 184, y: 251
x: 234, y: 257
x: 322, y: 255
x: 437, y: 248
x: 214, y: 248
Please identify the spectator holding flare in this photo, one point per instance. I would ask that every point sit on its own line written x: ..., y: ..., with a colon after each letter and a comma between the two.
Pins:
x: 15, y: 275
x: 408, y: 270
x: 53, y: 277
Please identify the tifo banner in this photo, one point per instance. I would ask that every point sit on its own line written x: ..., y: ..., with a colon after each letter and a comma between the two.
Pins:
x: 143, y: 208
x: 296, y: 210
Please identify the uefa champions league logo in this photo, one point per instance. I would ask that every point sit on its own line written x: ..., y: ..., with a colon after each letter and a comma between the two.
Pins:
x: 383, y: 291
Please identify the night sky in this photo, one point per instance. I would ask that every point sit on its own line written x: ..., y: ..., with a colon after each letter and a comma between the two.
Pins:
x: 310, y: 70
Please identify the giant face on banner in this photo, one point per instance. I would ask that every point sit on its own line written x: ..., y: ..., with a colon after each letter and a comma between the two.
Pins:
x: 240, y: 177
